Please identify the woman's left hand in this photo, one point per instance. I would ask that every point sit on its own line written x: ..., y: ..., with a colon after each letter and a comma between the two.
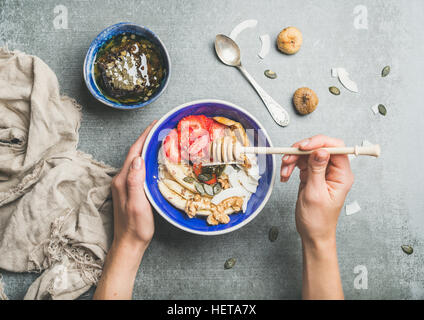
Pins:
x: 133, y: 226
x: 133, y: 218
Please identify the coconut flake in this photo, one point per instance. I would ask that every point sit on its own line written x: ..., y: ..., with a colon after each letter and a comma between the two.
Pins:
x: 352, y: 208
x: 253, y: 171
x: 242, y: 26
x: 345, y: 80
x: 245, y: 201
x: 374, y: 108
x: 229, y: 170
x: 234, y: 180
x: 230, y: 192
x: 249, y: 184
x: 265, y: 45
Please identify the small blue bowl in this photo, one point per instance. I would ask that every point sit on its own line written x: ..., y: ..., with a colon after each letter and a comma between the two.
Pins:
x: 209, y: 108
x: 104, y: 36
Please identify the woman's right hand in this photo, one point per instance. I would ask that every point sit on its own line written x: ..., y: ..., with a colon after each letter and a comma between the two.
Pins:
x: 324, y: 183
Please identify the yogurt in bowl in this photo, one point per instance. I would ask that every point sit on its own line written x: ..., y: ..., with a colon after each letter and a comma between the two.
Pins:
x: 173, y: 188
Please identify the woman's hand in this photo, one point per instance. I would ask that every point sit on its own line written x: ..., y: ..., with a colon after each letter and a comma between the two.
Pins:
x: 133, y: 226
x: 324, y: 183
x: 133, y: 218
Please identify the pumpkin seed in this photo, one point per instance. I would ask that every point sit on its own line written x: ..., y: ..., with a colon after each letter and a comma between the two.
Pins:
x: 382, y: 109
x: 229, y: 263
x: 188, y: 179
x: 208, y: 189
x: 270, y: 74
x: 219, y: 170
x: 334, y: 90
x: 385, y: 72
x: 217, y: 188
x: 407, y: 249
x: 273, y: 234
x: 236, y: 167
x: 199, y: 188
x: 208, y: 169
x: 204, y: 177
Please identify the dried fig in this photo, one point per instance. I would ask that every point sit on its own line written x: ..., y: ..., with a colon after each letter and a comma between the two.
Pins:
x: 289, y: 40
x: 305, y: 100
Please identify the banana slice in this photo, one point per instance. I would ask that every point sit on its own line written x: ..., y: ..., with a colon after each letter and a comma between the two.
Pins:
x: 227, y: 149
x: 175, y: 199
x: 179, y: 172
x: 218, y: 150
x: 163, y: 173
x: 179, y: 189
x: 237, y: 129
x: 225, y: 121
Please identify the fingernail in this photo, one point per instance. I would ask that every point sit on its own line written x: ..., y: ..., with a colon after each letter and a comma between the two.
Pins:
x: 319, y: 157
x: 136, y: 163
x: 285, y: 158
x: 304, y: 143
x: 284, y: 171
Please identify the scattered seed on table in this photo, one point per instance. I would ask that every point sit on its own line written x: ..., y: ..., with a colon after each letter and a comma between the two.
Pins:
x: 385, y: 72
x: 270, y: 74
x: 273, y: 234
x: 229, y: 263
x: 382, y: 109
x: 407, y: 249
x: 334, y: 90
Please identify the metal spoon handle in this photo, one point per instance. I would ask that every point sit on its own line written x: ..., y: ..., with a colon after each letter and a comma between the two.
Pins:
x: 278, y: 113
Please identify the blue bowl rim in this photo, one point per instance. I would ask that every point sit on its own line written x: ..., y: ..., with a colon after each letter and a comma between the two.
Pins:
x: 111, y: 103
x: 264, y: 201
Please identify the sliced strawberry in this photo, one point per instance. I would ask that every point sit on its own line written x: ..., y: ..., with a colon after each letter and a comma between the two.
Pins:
x: 198, y: 124
x: 184, y: 141
x: 170, y: 146
x: 190, y: 129
x: 216, y: 130
x: 199, y: 144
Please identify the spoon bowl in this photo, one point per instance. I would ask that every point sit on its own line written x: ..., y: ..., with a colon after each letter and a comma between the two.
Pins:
x: 227, y: 50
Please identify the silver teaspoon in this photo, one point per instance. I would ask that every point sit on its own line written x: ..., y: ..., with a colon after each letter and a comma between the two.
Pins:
x: 229, y: 53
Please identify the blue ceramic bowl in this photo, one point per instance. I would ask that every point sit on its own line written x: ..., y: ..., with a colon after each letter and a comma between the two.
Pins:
x: 104, y: 36
x: 209, y: 108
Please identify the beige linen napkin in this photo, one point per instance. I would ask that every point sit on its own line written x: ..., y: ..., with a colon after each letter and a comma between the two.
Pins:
x: 55, y: 205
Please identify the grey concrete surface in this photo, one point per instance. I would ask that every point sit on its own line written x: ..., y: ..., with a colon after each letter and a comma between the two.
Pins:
x: 389, y: 189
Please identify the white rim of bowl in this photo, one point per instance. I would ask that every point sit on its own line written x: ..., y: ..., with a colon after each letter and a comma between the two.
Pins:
x: 244, y: 222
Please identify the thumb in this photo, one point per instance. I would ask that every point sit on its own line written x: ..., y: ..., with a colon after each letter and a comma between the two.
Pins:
x: 317, y: 165
x: 135, y: 179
